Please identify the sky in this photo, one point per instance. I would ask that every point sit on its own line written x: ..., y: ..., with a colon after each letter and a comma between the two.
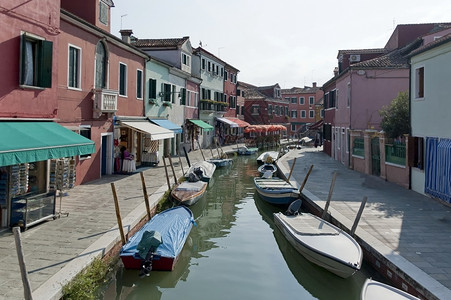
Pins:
x: 290, y: 42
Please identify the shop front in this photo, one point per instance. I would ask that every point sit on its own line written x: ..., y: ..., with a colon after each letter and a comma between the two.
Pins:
x: 197, y: 131
x: 140, y: 138
x: 230, y: 130
x: 38, y: 160
x: 171, y: 146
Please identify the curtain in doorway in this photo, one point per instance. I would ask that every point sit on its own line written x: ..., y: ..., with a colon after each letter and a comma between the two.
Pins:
x: 437, y: 168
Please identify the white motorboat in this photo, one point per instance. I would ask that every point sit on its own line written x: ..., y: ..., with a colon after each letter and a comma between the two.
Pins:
x: 268, y: 157
x: 319, y: 241
x: 375, y: 290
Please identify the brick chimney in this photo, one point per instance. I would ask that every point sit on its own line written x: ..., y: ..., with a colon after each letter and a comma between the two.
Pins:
x: 314, y: 84
x: 126, y: 35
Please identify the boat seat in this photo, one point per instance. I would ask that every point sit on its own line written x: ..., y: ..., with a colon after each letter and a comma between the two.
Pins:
x: 307, y: 224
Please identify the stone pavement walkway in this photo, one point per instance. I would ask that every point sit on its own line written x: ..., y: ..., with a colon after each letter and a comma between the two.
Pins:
x: 407, y: 231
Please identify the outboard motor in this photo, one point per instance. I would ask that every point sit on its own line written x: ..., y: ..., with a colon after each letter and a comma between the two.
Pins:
x: 193, y: 177
x: 146, y: 249
x: 198, y: 171
x: 293, y: 209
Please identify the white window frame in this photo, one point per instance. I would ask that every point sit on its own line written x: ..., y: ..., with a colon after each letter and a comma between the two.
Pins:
x: 186, y: 59
x: 311, y: 100
x: 301, y: 100
x: 125, y: 80
x: 303, y: 113
x: 78, y: 88
x: 311, y: 114
x: 88, y: 127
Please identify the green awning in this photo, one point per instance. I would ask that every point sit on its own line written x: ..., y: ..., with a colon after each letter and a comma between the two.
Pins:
x: 24, y: 142
x: 202, y: 124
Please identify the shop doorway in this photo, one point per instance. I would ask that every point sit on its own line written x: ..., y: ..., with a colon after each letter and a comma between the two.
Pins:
x: 106, y: 154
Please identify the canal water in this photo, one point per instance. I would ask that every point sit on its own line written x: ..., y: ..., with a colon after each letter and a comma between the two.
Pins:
x: 236, y: 252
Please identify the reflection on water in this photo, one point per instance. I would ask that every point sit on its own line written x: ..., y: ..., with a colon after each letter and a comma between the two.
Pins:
x: 236, y: 252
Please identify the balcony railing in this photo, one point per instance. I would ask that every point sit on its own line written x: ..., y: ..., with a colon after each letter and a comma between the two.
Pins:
x: 211, y: 105
x: 105, y: 101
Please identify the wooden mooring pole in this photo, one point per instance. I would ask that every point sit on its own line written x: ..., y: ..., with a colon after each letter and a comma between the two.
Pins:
x: 305, y: 179
x: 291, y: 170
x: 167, y: 174
x: 181, y: 166
x: 332, y: 184
x: 200, y: 148
x: 173, y: 171
x: 118, y: 214
x: 23, y: 269
x: 187, y: 158
x: 359, y: 215
x: 146, y: 197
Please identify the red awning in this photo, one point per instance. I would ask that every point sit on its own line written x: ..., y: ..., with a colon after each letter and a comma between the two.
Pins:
x: 316, y: 125
x: 237, y: 121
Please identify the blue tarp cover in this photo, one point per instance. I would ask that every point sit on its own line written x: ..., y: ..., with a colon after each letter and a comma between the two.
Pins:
x: 173, y: 224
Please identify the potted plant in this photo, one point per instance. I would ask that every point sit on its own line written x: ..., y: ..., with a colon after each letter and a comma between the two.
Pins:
x: 167, y: 103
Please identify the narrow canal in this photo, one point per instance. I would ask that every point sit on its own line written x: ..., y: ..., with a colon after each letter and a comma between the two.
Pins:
x: 236, y: 252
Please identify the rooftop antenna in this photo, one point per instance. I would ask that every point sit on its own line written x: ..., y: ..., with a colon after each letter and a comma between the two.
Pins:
x: 121, y: 19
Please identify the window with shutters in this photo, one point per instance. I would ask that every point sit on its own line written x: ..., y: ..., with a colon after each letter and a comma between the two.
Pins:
x: 139, y: 84
x: 35, y: 61
x: 101, y: 66
x: 103, y: 13
x: 183, y: 96
x: 152, y: 88
x: 74, y: 67
x: 419, y: 83
x: 122, y: 79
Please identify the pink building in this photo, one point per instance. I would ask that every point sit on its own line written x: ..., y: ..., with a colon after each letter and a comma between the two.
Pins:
x: 302, y: 107
x: 35, y: 147
x: 100, y: 81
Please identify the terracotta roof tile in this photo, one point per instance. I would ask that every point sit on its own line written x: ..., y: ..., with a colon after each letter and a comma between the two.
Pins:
x: 160, y: 43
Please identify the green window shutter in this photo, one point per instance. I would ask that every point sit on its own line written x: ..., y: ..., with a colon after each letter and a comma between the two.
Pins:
x: 183, y: 96
x: 139, y: 76
x: 45, y: 64
x: 152, y: 89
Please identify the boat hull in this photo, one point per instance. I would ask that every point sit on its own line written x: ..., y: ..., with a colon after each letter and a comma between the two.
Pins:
x: 275, y: 190
x: 174, y: 225
x: 189, y: 197
x: 321, y: 248
x: 246, y: 151
x: 264, y: 156
x: 374, y: 290
x: 223, y: 162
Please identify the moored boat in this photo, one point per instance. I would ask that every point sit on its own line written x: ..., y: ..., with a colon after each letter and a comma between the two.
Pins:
x: 159, y: 242
x: 247, y: 151
x: 375, y: 290
x: 202, y: 170
x: 221, y: 162
x: 320, y: 242
x: 275, y: 190
x: 267, y: 167
x: 268, y: 155
x: 188, y: 193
